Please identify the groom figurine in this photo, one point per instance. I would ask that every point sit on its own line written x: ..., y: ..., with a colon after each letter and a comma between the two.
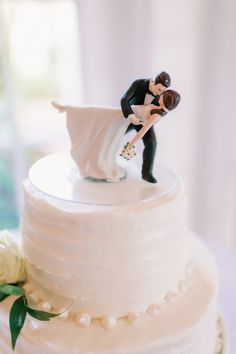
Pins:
x: 142, y: 92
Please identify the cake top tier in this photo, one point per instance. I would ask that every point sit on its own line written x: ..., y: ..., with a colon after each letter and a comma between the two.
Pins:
x: 58, y: 178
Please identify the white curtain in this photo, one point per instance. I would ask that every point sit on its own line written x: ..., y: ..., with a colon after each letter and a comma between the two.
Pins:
x: 114, y: 38
x: 194, y: 41
x: 215, y: 143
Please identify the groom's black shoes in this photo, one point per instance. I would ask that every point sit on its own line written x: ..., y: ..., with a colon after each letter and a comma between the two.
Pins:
x: 149, y: 177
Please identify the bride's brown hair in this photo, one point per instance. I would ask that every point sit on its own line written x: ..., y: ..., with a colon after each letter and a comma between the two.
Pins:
x: 171, y: 100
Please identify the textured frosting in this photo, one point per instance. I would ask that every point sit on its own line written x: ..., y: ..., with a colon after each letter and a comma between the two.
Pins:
x: 187, y: 326
x: 122, y: 268
x: 109, y: 261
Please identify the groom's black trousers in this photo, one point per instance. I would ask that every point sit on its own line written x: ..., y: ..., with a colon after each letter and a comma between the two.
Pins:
x: 150, y: 144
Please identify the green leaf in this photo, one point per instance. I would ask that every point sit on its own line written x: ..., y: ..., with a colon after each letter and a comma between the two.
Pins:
x: 17, y: 319
x: 3, y: 297
x: 8, y: 289
x: 41, y: 315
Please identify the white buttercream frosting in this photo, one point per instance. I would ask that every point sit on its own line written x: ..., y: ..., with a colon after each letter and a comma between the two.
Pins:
x: 109, y: 261
x: 127, y: 278
x: 187, y: 326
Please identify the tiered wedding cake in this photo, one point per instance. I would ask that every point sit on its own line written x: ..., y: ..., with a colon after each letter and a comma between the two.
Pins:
x: 120, y: 259
x: 115, y: 261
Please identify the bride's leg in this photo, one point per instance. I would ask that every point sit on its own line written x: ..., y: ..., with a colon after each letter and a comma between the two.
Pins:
x: 59, y: 107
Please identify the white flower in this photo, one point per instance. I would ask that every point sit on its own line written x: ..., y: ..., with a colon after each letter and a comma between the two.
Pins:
x: 12, y: 264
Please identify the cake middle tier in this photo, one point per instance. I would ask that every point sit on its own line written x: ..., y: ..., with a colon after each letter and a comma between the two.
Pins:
x: 110, y: 260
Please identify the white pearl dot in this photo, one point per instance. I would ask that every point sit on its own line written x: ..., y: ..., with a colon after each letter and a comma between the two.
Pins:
x: 27, y: 287
x: 2, y: 249
x: 191, y: 283
x: 219, y: 346
x: 33, y: 324
x: 218, y: 330
x: 170, y: 296
x: 46, y: 306
x: 183, y: 285
x: 108, y: 322
x: 83, y: 320
x: 133, y: 317
x: 64, y: 314
x: 190, y: 268
x: 154, y: 309
x: 34, y: 297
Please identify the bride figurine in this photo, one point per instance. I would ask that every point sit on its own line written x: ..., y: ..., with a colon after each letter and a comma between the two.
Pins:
x: 96, y: 134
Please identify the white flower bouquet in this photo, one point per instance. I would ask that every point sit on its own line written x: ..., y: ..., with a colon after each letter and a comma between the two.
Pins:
x: 128, y: 151
x: 12, y: 263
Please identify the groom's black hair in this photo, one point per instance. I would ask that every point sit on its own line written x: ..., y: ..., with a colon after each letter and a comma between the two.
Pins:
x: 163, y: 78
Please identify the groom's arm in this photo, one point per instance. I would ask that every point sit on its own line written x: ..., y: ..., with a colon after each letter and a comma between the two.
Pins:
x: 125, y: 100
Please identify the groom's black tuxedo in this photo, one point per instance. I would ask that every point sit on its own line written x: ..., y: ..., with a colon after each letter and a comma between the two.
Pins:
x: 136, y: 95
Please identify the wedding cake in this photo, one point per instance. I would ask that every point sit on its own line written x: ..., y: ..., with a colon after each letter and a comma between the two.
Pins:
x: 114, y: 265
x: 121, y: 266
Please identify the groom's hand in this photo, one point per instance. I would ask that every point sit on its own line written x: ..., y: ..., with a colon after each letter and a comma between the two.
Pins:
x: 134, y: 120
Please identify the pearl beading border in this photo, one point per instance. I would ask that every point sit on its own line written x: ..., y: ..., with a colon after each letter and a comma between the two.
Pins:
x: 220, y: 337
x: 109, y: 322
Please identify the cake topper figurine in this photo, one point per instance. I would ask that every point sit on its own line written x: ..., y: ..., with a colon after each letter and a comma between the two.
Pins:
x: 96, y: 133
x: 147, y: 92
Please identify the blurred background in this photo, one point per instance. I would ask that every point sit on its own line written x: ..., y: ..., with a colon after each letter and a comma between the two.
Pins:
x: 88, y: 52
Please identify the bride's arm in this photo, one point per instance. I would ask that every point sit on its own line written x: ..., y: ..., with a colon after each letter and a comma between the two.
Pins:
x: 150, y: 122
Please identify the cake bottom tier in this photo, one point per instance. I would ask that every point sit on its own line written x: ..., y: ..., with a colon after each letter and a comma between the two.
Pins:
x: 188, y: 325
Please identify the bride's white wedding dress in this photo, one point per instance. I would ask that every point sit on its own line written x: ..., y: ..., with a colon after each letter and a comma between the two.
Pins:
x: 96, y: 135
